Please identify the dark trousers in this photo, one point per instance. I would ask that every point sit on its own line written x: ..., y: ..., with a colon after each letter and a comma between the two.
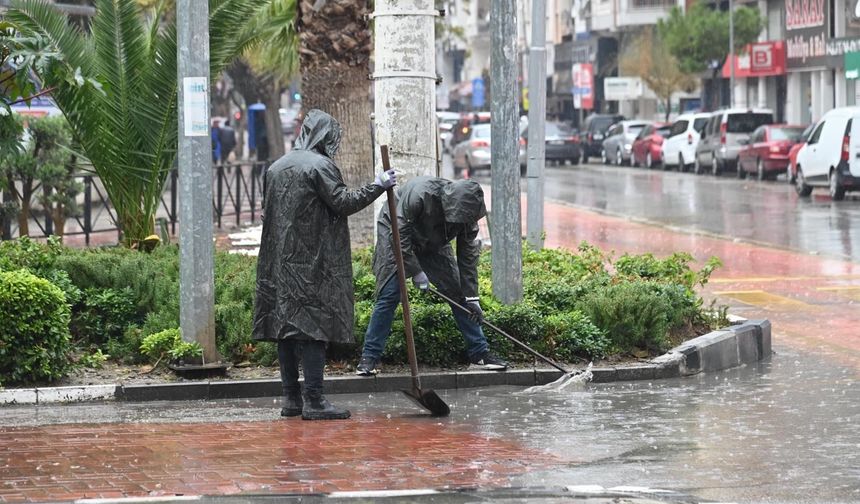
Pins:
x: 312, y: 355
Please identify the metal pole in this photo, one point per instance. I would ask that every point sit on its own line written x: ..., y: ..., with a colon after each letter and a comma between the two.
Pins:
x: 537, y: 126
x: 196, y: 263
x: 507, y: 223
x: 732, y: 53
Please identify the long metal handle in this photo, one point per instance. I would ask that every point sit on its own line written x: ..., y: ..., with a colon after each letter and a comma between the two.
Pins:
x: 503, y: 333
x: 401, y: 276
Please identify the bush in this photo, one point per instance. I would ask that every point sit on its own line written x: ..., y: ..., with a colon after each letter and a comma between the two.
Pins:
x: 104, y: 315
x: 35, y: 342
x: 169, y: 344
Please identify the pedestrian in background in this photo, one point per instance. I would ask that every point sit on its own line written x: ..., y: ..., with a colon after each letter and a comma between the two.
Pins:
x: 431, y: 212
x: 227, y: 140
x: 216, y: 141
x: 304, y: 271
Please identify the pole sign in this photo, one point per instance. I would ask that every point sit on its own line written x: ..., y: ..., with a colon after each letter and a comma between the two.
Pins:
x: 583, y: 86
x: 195, y: 108
x: 806, y: 32
x: 478, y: 92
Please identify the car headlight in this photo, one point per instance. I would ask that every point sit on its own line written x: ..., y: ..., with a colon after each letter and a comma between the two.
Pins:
x: 627, y: 147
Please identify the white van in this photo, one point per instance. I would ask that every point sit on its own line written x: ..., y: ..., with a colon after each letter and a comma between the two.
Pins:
x: 679, y: 149
x: 831, y: 156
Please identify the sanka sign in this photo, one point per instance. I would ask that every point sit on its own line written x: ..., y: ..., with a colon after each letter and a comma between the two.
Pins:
x: 806, y: 32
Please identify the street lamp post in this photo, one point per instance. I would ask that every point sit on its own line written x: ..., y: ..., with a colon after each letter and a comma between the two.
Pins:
x: 732, y: 53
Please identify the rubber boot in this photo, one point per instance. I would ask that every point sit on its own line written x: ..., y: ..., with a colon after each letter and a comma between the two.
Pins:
x: 292, y: 403
x: 318, y: 408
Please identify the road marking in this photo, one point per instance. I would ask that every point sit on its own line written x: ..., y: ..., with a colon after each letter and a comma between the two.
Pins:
x: 781, y: 279
x: 849, y: 291
x: 764, y: 299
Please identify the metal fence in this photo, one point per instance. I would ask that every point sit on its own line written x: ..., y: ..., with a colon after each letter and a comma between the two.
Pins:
x: 237, y: 194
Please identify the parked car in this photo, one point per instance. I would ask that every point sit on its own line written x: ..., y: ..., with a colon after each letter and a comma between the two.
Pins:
x: 718, y: 149
x: 831, y: 156
x: 766, y: 151
x: 464, y: 126
x: 648, y: 146
x: 446, y: 121
x: 679, y: 149
x: 474, y: 152
x: 618, y: 144
x: 593, y: 133
x: 562, y: 144
x: 791, y: 171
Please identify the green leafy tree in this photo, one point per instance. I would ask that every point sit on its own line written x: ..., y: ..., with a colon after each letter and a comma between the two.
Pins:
x: 699, y: 38
x: 122, y: 100
x: 649, y: 58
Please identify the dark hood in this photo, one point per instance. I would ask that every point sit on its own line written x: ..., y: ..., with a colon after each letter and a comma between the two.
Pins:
x: 463, y: 202
x: 320, y: 133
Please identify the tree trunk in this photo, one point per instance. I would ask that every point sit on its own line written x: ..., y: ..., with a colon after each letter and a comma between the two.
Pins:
x: 25, y: 197
x: 273, y: 120
x: 344, y: 92
x: 668, y: 107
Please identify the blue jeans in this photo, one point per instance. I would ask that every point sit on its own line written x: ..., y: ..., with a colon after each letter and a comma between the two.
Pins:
x: 383, y: 314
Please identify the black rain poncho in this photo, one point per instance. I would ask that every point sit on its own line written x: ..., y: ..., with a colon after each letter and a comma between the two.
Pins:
x: 431, y: 213
x: 304, y: 270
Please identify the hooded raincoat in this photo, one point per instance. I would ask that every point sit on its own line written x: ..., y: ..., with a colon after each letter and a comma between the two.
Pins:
x: 431, y: 212
x: 304, y: 270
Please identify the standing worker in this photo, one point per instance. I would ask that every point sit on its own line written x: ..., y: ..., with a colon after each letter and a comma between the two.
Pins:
x: 304, y: 272
x: 431, y: 212
x: 227, y: 139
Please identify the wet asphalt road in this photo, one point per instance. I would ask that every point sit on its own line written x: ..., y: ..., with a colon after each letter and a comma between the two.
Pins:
x: 762, y: 212
x: 781, y: 431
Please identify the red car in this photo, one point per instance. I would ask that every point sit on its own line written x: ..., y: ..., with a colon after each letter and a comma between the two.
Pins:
x: 766, y: 152
x: 647, y: 149
x: 791, y: 171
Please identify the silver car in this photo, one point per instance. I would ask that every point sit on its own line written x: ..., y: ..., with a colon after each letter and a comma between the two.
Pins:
x: 473, y: 153
x: 618, y: 146
x: 718, y: 149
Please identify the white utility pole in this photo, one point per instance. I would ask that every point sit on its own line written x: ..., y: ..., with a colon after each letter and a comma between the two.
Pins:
x: 196, y: 247
x: 537, y: 126
x: 506, y: 223
x: 404, y: 83
x: 732, y: 53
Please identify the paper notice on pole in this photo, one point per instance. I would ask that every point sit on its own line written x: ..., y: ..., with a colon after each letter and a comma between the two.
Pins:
x: 195, y: 109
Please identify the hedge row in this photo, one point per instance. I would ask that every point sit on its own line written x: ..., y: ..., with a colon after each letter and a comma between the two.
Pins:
x: 579, y: 304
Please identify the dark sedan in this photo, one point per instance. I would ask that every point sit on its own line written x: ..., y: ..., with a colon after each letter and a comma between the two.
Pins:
x: 562, y: 144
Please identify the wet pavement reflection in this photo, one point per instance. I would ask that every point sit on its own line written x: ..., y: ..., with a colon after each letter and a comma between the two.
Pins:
x: 781, y: 431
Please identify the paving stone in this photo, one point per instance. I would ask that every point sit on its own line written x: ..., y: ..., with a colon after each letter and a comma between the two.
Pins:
x: 718, y: 350
x: 439, y: 381
x: 544, y: 376
x: 474, y: 379
x: 764, y: 338
x: 748, y: 343
x: 257, y: 457
x: 520, y: 377
x: 635, y: 372
x: 603, y: 375
x: 349, y: 384
x: 393, y: 382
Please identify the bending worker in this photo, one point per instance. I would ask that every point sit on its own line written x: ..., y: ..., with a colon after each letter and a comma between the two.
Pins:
x: 431, y: 212
x: 304, y: 272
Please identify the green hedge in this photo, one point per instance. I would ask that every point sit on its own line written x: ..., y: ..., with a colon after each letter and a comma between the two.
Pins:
x: 34, y: 342
x: 577, y: 305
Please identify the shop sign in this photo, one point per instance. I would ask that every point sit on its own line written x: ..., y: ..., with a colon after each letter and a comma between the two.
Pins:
x: 622, y: 88
x: 583, y: 86
x: 758, y: 60
x: 806, y: 32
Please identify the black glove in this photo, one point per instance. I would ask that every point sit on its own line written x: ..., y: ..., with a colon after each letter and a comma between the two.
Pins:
x: 477, y: 314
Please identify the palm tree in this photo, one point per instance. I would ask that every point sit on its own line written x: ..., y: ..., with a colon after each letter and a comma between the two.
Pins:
x: 120, y: 96
x: 335, y: 49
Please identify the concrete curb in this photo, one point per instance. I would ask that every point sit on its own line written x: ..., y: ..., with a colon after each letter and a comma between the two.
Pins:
x: 740, y: 344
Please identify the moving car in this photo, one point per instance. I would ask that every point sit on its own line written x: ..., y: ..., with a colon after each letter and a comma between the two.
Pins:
x: 831, y: 156
x: 593, y: 133
x: 474, y: 152
x: 679, y: 149
x: 791, y: 171
x: 766, y: 152
x: 721, y: 139
x: 464, y: 125
x: 618, y: 145
x: 562, y: 144
x: 648, y: 146
x: 447, y: 121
